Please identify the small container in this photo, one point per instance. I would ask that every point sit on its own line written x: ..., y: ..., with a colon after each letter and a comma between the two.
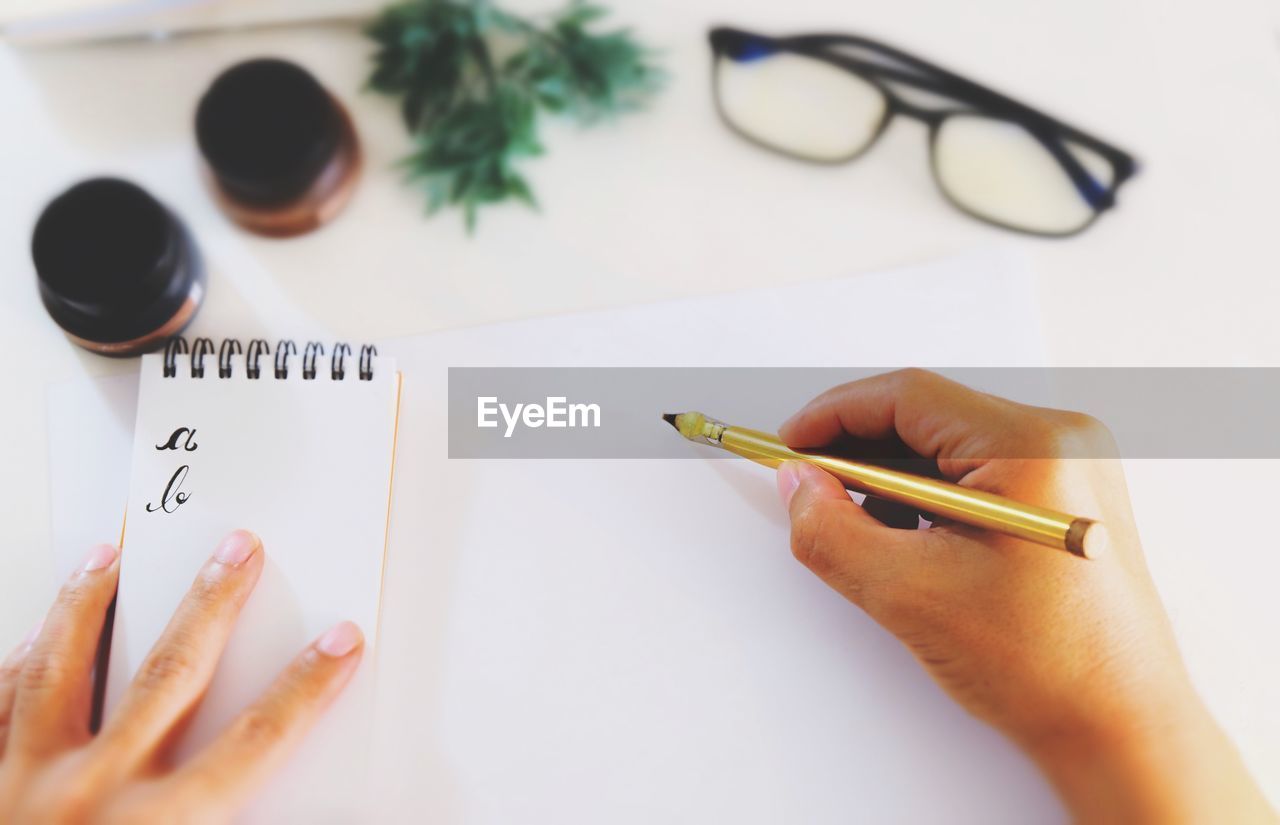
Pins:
x: 116, y: 269
x: 280, y: 153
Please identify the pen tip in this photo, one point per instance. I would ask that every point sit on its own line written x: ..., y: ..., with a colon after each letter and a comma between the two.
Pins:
x: 693, y: 426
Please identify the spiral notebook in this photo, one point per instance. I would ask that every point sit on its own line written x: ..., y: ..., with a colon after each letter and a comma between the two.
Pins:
x: 296, y: 444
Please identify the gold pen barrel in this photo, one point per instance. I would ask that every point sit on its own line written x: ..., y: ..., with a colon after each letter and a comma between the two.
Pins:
x: 967, y: 506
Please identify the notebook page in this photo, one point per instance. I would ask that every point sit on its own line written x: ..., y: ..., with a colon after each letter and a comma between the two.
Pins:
x: 307, y: 465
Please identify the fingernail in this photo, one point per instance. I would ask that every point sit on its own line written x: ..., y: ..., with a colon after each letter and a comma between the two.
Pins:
x: 788, y: 481
x: 236, y: 548
x: 339, y: 640
x: 99, y: 557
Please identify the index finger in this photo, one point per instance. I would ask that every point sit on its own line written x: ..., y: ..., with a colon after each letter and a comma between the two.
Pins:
x: 175, y: 674
x: 253, y: 747
x: 934, y: 416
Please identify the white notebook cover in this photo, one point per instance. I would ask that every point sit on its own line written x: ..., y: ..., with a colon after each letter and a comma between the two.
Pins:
x: 307, y: 465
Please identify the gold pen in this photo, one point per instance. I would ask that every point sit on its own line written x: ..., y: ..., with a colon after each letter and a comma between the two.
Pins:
x: 1079, y: 536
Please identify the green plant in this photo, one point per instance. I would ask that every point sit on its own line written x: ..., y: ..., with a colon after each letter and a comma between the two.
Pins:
x: 473, y: 78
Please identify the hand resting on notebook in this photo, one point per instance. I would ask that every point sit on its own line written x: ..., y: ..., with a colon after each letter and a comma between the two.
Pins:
x: 1072, y: 659
x: 52, y: 769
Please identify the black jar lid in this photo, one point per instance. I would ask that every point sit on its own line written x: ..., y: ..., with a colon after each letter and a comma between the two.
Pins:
x: 112, y: 263
x: 267, y: 129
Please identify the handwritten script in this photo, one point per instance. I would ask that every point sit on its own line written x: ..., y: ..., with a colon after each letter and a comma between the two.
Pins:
x: 174, y: 497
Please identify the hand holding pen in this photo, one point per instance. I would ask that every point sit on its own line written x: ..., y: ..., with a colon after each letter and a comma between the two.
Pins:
x: 1074, y: 660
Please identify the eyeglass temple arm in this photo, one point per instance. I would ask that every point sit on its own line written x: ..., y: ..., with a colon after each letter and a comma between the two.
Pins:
x: 1047, y: 130
x: 932, y: 77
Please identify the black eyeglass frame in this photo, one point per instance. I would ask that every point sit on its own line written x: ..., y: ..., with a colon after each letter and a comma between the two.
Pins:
x: 915, y: 72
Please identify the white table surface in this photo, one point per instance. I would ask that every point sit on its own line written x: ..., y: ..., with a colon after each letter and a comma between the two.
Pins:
x: 668, y: 204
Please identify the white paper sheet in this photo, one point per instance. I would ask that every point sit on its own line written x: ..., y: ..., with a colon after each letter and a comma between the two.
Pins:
x: 562, y: 641
x: 570, y: 641
x: 90, y: 444
x: 306, y: 464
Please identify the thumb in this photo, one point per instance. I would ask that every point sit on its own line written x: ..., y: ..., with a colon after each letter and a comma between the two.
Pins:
x: 840, y: 542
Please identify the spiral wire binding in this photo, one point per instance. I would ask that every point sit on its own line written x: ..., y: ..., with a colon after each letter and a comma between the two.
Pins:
x: 172, y: 349
x: 229, y: 348
x: 257, y: 348
x: 366, y: 361
x: 309, y: 355
x: 336, y: 370
x: 283, y: 350
x: 199, y: 349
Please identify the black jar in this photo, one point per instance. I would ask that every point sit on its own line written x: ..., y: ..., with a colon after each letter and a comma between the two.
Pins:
x: 280, y: 153
x: 116, y: 269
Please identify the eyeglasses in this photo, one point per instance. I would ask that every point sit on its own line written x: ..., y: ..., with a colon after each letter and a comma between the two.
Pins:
x: 826, y: 98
